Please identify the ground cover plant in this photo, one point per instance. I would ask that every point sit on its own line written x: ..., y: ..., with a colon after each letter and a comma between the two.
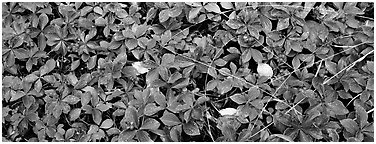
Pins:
x: 166, y: 71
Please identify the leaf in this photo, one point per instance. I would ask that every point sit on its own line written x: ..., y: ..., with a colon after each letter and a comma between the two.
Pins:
x: 227, y: 5
x: 140, y: 68
x: 97, y: 116
x: 85, y: 98
x: 131, y: 116
x: 228, y: 111
x: 15, y: 95
x: 100, y: 21
x: 98, y: 10
x: 212, y: 72
x: 127, y: 135
x: 350, y: 125
x: 361, y: 115
x: 283, y: 24
x: 296, y: 62
x: 167, y: 59
x: 150, y: 124
x: 212, y: 7
x: 48, y: 67
x: 104, y: 107
x: 354, y: 87
x: 31, y: 78
x: 21, y: 53
x: 106, y: 124
x: 350, y: 8
x: 181, y: 83
x: 141, y: 30
x: 246, y: 56
x: 69, y: 133
x: 75, y: 64
x: 143, y: 136
x: 295, y: 45
x: 337, y: 108
x: 194, y: 12
x: 159, y: 98
x: 220, y: 62
x: 121, y: 58
x: 225, y: 86
x: 170, y: 119
x: 239, y: 98
x: 151, y: 14
x: 331, y: 67
x: 74, y: 114
x: 164, y: 15
x: 174, y: 77
x: 90, y: 89
x: 284, y: 137
x: 71, y: 99
x: 92, y: 62
x: 317, y: 30
x: 72, y: 78
x: 264, y: 69
x: 370, y: 85
x: 234, y: 23
x: 130, y: 43
x: 266, y: 23
x: 344, y: 95
x: 352, y: 22
x: 175, y: 133
x: 166, y: 37
x: 151, y: 109
x: 28, y: 101
x: 191, y: 128
x: 212, y: 84
x: 113, y: 131
x: 256, y: 55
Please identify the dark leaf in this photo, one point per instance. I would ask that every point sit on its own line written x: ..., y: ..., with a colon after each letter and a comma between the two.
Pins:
x: 191, y: 128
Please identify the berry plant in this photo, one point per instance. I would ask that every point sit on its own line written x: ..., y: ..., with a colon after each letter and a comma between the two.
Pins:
x: 188, y: 71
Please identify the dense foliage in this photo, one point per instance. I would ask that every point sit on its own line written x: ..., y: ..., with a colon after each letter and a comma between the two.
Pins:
x: 156, y: 71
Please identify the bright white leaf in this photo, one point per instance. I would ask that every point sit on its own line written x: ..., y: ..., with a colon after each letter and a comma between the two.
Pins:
x: 140, y: 68
x: 264, y: 69
x: 228, y: 111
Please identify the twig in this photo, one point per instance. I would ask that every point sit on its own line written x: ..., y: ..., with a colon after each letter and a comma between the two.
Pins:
x: 371, y: 110
x: 257, y: 132
x: 318, y: 69
x: 353, y: 99
x: 295, y: 105
x: 348, y: 67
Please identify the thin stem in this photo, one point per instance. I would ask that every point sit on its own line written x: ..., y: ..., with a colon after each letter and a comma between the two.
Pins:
x: 348, y: 67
